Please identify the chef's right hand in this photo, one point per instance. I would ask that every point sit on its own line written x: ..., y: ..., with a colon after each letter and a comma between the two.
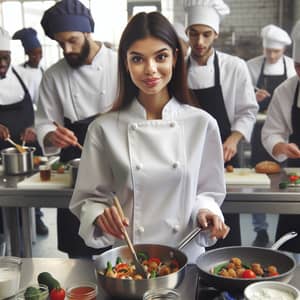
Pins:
x: 261, y: 95
x: 110, y: 222
x: 291, y: 150
x: 4, y: 132
x: 62, y: 137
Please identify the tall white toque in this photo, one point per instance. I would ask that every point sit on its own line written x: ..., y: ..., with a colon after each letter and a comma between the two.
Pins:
x: 206, y: 12
x: 274, y: 37
x: 296, y: 42
x: 4, y: 40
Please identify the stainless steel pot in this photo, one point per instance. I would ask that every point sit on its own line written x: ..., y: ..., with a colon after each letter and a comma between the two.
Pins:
x: 74, y: 165
x: 134, y: 289
x: 15, y: 163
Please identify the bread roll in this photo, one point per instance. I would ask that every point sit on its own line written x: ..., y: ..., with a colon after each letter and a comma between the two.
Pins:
x: 267, y: 167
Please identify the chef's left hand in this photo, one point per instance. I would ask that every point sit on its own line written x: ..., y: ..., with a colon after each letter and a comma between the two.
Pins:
x: 217, y: 227
x: 29, y: 135
x: 230, y: 145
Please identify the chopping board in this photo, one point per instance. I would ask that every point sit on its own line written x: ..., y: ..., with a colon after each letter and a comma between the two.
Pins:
x: 57, y: 181
x: 246, y: 176
x: 292, y: 170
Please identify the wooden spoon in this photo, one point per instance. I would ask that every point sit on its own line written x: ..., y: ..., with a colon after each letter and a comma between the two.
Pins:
x: 139, y: 268
x: 78, y: 145
x: 18, y: 147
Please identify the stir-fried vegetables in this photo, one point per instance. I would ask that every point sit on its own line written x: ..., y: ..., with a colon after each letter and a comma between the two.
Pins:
x: 235, y: 268
x: 153, y: 266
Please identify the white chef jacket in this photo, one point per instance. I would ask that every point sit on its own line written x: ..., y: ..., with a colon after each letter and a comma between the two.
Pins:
x: 278, y: 124
x: 76, y: 93
x: 34, y: 80
x: 254, y: 66
x: 163, y: 172
x: 239, y: 97
x: 11, y: 90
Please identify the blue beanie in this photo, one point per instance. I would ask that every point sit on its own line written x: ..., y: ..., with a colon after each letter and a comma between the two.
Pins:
x: 28, y: 37
x: 67, y: 15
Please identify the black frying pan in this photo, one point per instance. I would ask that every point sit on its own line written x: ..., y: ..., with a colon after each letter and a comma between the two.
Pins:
x: 265, y: 256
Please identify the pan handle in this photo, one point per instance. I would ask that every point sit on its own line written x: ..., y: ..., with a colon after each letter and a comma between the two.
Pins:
x: 283, y: 239
x: 189, y: 237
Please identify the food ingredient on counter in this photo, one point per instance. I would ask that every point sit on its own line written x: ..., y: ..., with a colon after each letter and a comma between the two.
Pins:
x: 48, y: 280
x: 9, y: 282
x: 229, y: 168
x: 293, y: 181
x: 57, y: 294
x: 32, y: 293
x: 267, y: 167
x: 271, y: 294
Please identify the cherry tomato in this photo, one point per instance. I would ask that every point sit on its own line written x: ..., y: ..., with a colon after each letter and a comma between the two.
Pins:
x: 273, y: 274
x: 154, y: 259
x: 248, y: 274
x: 57, y: 294
x: 293, y: 178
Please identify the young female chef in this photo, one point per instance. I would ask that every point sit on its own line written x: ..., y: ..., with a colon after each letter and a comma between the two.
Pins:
x: 281, y: 134
x: 161, y: 156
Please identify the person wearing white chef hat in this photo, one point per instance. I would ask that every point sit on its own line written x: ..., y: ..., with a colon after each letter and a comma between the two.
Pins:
x: 281, y: 135
x: 222, y: 85
x: 16, y: 109
x: 267, y: 72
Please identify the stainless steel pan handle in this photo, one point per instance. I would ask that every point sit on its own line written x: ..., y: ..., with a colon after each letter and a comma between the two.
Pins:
x: 286, y: 237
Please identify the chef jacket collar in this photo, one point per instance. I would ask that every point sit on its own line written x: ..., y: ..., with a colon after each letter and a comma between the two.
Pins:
x: 169, y: 109
x: 210, y: 60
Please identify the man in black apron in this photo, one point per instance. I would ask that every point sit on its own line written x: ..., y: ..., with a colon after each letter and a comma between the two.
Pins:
x: 221, y: 99
x: 274, y: 67
x: 73, y: 91
x: 281, y: 135
x: 17, y: 116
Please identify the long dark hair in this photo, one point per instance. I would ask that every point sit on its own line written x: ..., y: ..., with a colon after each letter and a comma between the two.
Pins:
x: 155, y: 25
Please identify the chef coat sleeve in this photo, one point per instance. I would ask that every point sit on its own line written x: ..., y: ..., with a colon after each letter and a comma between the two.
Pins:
x: 246, y: 107
x: 211, y: 188
x: 92, y: 192
x: 277, y: 126
x: 49, y: 109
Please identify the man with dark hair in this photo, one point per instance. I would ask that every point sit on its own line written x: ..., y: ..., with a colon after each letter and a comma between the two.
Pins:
x: 73, y: 92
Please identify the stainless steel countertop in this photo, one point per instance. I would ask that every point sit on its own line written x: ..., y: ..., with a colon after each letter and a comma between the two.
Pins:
x: 239, y: 199
x: 68, y: 271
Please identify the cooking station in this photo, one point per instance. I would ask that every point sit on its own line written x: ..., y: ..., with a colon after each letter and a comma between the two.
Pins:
x: 239, y: 199
x: 68, y: 271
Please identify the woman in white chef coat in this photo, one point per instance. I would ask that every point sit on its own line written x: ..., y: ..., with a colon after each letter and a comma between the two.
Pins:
x: 281, y: 134
x: 222, y: 86
x: 267, y: 72
x: 161, y: 156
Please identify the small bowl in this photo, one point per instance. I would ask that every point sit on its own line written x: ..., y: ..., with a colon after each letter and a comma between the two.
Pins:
x: 42, y: 295
x: 255, y: 291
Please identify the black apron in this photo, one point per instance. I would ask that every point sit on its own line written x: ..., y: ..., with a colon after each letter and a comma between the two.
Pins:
x: 269, y: 83
x: 288, y: 223
x: 212, y: 101
x: 68, y: 224
x: 17, y: 117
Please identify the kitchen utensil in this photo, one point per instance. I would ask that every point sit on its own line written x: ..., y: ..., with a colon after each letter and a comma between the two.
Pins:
x: 20, y: 148
x: 161, y: 294
x: 77, y: 144
x: 74, y: 165
x: 10, y: 270
x: 134, y: 289
x: 271, y: 289
x: 265, y: 256
x: 82, y: 291
x: 16, y: 163
x: 139, y: 268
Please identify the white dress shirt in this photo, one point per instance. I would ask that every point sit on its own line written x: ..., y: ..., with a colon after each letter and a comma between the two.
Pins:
x: 278, y: 124
x: 163, y: 172
x: 75, y: 93
x: 254, y: 66
x: 239, y: 97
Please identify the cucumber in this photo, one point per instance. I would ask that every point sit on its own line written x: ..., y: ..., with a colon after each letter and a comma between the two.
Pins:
x: 48, y: 280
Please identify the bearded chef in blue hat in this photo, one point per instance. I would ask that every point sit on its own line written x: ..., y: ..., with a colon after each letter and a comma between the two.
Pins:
x: 281, y: 135
x: 222, y: 86
x: 73, y: 92
x: 33, y: 49
x: 267, y: 72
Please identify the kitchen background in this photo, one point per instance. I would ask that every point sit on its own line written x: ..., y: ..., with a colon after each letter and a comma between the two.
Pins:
x: 240, y: 35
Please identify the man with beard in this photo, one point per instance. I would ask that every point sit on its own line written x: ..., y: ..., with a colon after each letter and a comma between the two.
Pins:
x: 222, y: 85
x: 72, y: 93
